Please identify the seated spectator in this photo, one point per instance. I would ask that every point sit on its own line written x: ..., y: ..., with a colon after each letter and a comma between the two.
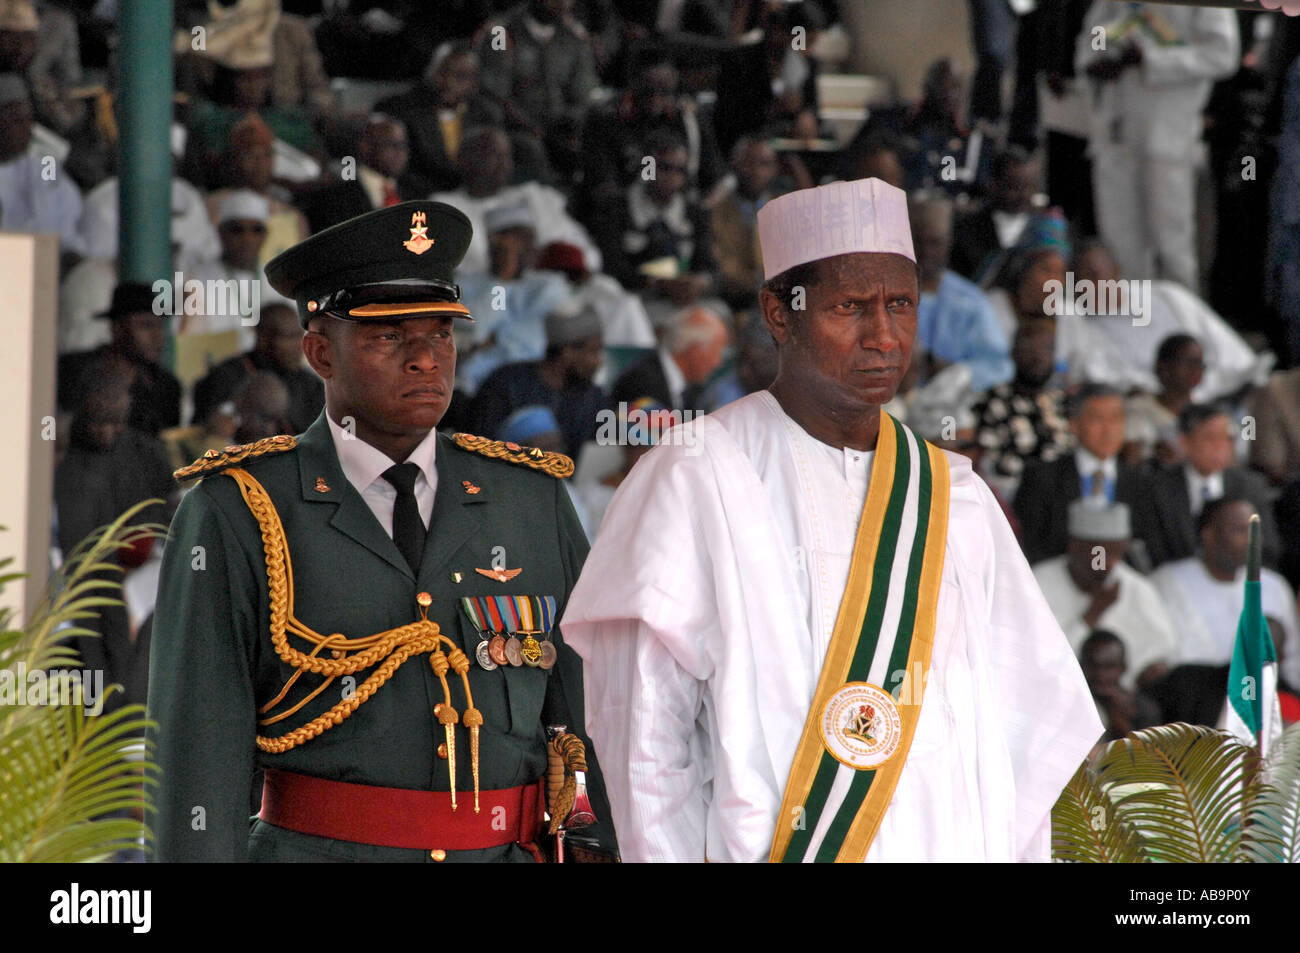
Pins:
x: 241, y: 86
x: 382, y: 153
x: 981, y: 237
x: 248, y: 164
x: 624, y: 317
x: 954, y: 321
x: 235, y: 279
x: 734, y: 223
x: 938, y: 149
x: 35, y: 194
x: 1093, y: 471
x: 1208, y: 473
x: 1104, y: 665
x: 1022, y: 422
x: 109, y: 467
x: 486, y: 169
x: 298, y: 78
x: 509, y: 303
x: 654, y: 239
x: 277, y: 349
x: 614, y: 137
x: 1117, y: 343
x: 262, y: 407
x: 138, y: 335
x: 562, y: 381
x: 545, y: 75
x: 1209, y: 591
x: 674, y: 375
x: 1020, y: 289
x: 437, y: 113
x: 1090, y: 587
x: 1275, y: 408
x: 1153, y: 417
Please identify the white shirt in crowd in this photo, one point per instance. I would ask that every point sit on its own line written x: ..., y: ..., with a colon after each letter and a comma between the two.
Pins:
x: 1208, y: 611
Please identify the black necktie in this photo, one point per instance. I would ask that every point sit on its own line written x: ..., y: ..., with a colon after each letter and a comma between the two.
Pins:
x: 408, y: 527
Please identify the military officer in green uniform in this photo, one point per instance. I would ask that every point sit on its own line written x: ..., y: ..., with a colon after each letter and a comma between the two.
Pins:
x: 366, y: 611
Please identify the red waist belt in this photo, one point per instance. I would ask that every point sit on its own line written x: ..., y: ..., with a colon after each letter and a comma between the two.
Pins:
x: 398, y: 817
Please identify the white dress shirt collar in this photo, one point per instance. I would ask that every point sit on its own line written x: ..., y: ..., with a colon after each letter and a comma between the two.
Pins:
x: 1089, y: 464
x: 364, y: 467
x: 1201, y: 488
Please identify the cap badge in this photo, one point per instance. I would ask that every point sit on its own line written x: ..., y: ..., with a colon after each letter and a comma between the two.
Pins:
x: 419, y: 242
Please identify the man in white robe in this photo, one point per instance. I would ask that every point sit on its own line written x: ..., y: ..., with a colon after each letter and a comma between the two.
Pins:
x: 1091, y: 588
x: 1209, y: 591
x: 707, y: 606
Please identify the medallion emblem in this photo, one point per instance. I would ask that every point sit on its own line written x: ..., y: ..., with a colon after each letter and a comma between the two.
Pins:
x: 861, y: 726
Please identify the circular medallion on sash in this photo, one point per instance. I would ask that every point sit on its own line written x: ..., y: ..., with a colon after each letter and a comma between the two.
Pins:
x: 861, y: 726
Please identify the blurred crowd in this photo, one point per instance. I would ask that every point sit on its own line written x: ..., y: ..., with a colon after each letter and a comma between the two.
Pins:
x: 1107, y: 235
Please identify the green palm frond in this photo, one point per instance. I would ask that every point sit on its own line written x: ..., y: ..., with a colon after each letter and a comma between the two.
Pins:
x: 1084, y: 827
x: 64, y: 772
x: 1177, y: 794
x: 1273, y: 820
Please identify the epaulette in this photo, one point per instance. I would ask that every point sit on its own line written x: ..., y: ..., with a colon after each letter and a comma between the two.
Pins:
x: 215, y: 460
x: 549, y: 462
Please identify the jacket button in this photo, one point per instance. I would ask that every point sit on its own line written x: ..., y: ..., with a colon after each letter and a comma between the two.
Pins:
x: 438, y: 855
x: 442, y: 751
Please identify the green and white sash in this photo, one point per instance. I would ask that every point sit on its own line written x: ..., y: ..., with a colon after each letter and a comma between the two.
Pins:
x: 857, y: 733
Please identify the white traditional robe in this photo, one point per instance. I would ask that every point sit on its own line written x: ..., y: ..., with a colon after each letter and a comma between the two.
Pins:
x: 704, y: 614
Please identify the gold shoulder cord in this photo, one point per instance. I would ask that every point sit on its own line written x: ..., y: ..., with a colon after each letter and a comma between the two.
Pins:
x: 389, y: 649
x: 548, y: 461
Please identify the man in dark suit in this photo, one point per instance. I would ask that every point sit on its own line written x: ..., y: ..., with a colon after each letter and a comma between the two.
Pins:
x: 980, y: 237
x: 376, y: 182
x: 437, y: 112
x: 674, y: 375
x: 138, y: 337
x: 1207, y: 473
x: 1093, y: 470
x: 405, y: 546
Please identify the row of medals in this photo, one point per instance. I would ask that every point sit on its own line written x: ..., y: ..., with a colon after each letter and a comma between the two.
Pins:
x: 498, y: 650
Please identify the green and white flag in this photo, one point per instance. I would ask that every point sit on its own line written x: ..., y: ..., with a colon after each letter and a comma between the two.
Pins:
x: 1252, y: 712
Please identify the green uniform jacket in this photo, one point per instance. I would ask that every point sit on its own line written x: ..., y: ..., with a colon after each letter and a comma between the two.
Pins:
x: 213, y: 665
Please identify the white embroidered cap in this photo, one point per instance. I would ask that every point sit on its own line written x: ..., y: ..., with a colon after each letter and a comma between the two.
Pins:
x: 868, y: 215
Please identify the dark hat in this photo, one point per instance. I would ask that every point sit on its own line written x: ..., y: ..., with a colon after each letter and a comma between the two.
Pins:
x: 130, y: 297
x: 395, y: 261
